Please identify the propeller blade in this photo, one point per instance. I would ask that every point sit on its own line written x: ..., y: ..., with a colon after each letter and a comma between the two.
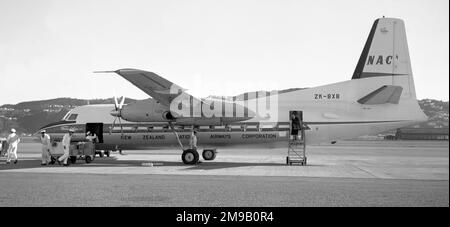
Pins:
x: 112, y: 127
x: 122, y: 102
x: 116, y: 103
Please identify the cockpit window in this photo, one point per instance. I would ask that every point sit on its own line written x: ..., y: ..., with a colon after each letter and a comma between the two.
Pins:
x: 72, y: 117
x: 65, y: 116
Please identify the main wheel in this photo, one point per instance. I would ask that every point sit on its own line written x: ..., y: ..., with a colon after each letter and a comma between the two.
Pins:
x: 73, y: 159
x: 209, y: 155
x: 190, y: 156
x: 88, y: 159
x: 101, y: 154
x: 107, y: 153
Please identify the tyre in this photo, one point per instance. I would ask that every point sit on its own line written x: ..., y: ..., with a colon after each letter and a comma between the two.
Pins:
x: 209, y: 155
x: 287, y: 160
x: 190, y: 157
x: 73, y: 159
x: 88, y: 159
x: 107, y: 153
x: 101, y: 154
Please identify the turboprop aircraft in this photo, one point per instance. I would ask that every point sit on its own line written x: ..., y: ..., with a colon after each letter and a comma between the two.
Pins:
x: 379, y: 97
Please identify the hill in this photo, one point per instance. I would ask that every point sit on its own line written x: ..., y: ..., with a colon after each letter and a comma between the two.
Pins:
x: 437, y: 112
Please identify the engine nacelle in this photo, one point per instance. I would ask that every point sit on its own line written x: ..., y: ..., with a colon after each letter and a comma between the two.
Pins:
x: 146, y: 111
x: 151, y: 111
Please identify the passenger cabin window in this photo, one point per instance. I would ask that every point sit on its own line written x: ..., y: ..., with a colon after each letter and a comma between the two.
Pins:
x: 72, y: 117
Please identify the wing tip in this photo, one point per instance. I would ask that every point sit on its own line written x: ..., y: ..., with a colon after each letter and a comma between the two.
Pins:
x: 104, y: 71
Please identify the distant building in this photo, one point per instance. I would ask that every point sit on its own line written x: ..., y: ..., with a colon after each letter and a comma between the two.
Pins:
x: 422, y: 134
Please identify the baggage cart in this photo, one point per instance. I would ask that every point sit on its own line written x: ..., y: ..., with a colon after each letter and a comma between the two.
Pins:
x: 77, y: 151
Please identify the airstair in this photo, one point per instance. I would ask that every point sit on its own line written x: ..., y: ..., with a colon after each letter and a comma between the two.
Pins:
x: 297, y: 151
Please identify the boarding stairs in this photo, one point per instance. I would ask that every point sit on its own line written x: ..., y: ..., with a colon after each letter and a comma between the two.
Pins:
x: 297, y: 150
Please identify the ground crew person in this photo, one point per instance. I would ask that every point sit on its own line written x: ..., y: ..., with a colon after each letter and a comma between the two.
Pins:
x: 91, y: 137
x: 45, y: 141
x: 66, y: 146
x: 13, y: 140
x: 193, y: 141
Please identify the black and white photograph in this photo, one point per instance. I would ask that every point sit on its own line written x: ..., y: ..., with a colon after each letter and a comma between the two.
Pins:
x: 237, y: 104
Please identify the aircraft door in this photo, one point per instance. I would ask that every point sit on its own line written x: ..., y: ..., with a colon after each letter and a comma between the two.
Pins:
x: 295, y: 123
x: 96, y: 128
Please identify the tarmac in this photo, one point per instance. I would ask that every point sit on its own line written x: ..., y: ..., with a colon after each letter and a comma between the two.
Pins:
x: 349, y: 173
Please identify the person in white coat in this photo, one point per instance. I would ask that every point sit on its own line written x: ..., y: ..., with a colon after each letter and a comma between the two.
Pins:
x: 13, y: 141
x: 193, y: 141
x: 66, y: 146
x: 45, y: 141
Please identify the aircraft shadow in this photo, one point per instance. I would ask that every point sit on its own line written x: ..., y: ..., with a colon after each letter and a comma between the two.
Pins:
x: 113, y: 162
x: 204, y: 165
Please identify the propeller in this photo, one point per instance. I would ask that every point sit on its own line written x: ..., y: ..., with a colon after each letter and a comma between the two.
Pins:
x: 117, y: 112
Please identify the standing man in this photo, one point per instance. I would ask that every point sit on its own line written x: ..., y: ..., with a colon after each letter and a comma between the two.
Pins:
x: 13, y: 140
x: 45, y: 141
x: 295, y: 125
x: 193, y: 141
x: 66, y: 146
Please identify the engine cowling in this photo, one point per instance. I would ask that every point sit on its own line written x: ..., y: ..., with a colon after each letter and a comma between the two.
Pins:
x: 146, y: 111
x: 151, y: 111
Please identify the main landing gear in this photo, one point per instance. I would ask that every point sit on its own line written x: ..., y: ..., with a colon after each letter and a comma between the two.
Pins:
x: 191, y: 156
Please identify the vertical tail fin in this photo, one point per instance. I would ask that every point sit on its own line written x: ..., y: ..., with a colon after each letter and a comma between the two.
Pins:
x: 386, y: 54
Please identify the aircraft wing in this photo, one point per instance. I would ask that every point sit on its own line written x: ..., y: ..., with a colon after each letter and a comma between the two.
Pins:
x: 160, y: 89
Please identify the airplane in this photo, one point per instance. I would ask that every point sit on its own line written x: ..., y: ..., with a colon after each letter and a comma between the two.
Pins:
x: 379, y: 97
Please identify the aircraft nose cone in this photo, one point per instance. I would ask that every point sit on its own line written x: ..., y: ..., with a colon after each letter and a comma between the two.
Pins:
x: 115, y: 113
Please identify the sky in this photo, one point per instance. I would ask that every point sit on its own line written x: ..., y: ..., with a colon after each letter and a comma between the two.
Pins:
x: 49, y: 48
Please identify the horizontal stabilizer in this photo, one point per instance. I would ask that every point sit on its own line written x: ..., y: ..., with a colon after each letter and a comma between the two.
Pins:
x: 384, y: 94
